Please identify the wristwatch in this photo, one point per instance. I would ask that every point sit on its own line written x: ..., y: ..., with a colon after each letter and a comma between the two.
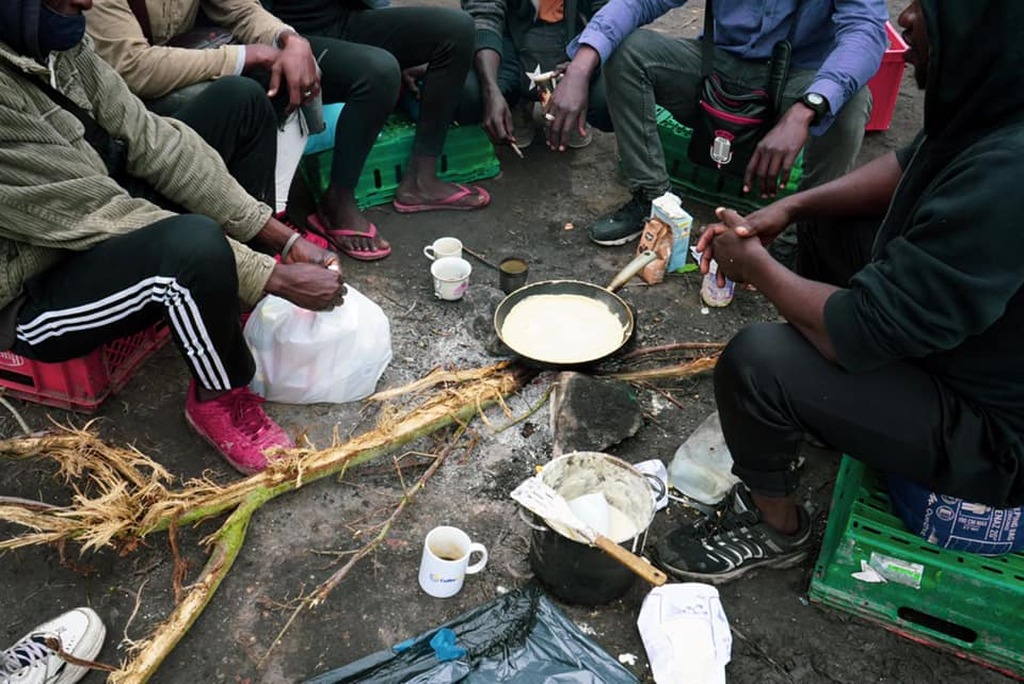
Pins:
x: 817, y: 104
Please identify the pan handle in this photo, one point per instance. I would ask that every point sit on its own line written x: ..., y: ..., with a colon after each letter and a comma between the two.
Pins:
x: 631, y: 269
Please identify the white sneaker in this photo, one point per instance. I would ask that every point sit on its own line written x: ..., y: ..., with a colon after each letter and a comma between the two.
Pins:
x: 31, y: 661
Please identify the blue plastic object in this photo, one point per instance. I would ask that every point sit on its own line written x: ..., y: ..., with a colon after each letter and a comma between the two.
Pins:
x: 956, y: 524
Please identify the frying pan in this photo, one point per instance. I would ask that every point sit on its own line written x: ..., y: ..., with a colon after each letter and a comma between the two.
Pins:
x: 617, y: 307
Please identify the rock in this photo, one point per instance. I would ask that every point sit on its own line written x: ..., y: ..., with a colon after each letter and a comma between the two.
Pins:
x: 592, y: 414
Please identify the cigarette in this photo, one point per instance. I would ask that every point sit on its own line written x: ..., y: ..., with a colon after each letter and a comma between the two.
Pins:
x: 515, y: 148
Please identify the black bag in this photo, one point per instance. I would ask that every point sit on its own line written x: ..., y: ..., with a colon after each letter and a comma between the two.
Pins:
x: 731, y: 120
x: 204, y: 35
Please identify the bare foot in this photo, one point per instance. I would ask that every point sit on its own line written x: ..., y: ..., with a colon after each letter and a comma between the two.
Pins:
x: 346, y: 228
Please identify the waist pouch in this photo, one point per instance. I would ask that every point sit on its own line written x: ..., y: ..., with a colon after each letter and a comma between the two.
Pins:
x: 729, y: 123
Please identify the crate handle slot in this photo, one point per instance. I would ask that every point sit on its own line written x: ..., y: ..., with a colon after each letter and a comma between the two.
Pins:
x: 19, y: 378
x: 935, y: 624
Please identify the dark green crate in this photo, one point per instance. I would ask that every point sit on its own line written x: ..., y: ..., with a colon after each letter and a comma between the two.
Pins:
x: 468, y: 155
x: 969, y: 604
x: 704, y: 184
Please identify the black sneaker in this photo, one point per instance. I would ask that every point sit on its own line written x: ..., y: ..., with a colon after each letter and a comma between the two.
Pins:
x: 622, y: 225
x: 722, y: 549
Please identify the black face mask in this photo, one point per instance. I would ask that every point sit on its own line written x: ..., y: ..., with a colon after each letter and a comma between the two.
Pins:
x: 58, y: 31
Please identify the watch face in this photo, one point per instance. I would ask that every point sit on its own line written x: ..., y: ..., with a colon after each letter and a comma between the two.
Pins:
x: 815, y: 99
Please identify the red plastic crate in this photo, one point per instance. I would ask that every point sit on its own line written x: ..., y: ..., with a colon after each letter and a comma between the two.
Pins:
x: 885, y: 84
x: 80, y: 384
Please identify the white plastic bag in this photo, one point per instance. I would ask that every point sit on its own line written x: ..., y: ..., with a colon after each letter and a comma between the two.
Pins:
x: 305, y: 357
x: 686, y: 634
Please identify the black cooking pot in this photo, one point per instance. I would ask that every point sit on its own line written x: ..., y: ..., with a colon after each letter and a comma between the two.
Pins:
x: 576, y: 572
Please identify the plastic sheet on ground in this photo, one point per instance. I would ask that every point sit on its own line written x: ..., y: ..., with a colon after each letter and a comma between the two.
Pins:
x: 519, y: 638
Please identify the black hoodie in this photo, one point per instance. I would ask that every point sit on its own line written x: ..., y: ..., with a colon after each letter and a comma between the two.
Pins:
x: 944, y: 288
x: 19, y: 26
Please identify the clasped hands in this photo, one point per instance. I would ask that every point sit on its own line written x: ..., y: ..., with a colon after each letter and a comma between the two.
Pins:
x: 730, y: 242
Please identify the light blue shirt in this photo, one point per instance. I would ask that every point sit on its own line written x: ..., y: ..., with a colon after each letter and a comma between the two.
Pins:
x: 844, y: 40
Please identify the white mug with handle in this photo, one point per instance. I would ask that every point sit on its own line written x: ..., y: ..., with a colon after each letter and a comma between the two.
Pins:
x: 445, y: 561
x: 443, y: 247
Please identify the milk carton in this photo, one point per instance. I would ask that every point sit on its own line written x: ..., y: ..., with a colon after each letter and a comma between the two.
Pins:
x: 669, y: 208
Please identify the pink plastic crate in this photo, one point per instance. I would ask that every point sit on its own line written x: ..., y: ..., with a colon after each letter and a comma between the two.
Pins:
x: 80, y: 384
x: 885, y: 84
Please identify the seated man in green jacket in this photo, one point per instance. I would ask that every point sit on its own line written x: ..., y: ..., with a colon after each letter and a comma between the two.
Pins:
x: 514, y: 37
x: 83, y: 262
x: 902, y: 346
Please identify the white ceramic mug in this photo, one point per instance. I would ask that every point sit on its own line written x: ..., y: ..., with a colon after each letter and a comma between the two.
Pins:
x: 444, y: 247
x: 445, y: 561
x: 451, y: 277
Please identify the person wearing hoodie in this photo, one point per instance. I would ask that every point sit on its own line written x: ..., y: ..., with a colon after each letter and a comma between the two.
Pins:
x: 83, y: 262
x: 902, y: 346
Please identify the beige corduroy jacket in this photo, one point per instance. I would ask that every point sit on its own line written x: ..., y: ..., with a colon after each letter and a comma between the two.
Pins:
x: 154, y: 70
x: 56, y: 195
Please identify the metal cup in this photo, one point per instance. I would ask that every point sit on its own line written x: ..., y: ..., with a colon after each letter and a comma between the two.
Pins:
x: 512, y: 273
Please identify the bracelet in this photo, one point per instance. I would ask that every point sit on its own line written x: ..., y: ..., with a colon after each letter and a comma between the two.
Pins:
x: 288, y: 246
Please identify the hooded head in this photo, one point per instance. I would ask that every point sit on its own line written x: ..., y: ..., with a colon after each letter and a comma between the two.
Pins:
x: 35, y: 28
x: 969, y: 56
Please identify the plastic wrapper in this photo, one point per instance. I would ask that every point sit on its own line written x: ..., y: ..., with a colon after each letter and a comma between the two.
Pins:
x: 519, y: 638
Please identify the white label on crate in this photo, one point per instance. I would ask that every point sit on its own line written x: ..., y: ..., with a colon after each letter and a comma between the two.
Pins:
x: 11, y: 360
x: 896, y: 570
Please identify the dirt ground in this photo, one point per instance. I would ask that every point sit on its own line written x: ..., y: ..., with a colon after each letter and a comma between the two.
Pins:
x: 294, y: 542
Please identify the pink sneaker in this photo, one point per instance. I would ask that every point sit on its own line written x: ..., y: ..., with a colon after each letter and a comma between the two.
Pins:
x: 237, y: 427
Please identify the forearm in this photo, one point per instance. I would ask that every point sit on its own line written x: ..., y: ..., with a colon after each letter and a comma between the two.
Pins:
x: 864, y: 192
x: 487, y: 63
x: 799, y: 300
x: 585, y: 62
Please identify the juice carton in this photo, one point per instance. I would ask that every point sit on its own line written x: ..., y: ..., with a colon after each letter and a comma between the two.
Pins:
x: 669, y: 208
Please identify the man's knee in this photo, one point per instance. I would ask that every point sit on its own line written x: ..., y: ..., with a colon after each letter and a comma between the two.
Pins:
x: 380, y: 73
x: 460, y: 25
x: 628, y: 58
x: 757, y: 357
x: 195, y: 245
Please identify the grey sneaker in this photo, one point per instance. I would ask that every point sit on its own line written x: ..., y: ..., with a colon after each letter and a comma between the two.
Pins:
x: 524, y: 128
x: 32, y: 660
x: 731, y: 544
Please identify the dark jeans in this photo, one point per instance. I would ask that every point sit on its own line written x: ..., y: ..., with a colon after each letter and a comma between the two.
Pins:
x: 362, y: 55
x: 548, y: 53
x: 774, y: 390
x: 180, y: 268
x: 235, y: 117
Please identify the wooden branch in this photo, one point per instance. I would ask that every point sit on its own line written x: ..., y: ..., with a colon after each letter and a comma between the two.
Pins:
x: 258, y: 489
x: 675, y: 346
x: 681, y: 370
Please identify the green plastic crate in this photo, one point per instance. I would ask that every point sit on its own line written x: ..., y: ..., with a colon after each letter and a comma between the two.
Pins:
x: 468, y: 155
x: 972, y: 605
x: 704, y: 184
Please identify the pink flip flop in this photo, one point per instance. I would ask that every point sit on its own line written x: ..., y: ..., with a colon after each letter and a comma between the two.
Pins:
x: 452, y: 201
x: 358, y: 254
